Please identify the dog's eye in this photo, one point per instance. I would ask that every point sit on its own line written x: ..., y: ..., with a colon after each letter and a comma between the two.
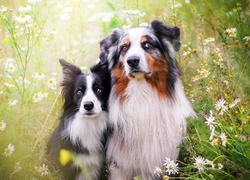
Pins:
x: 147, y: 45
x: 99, y: 90
x: 124, y: 48
x: 79, y: 93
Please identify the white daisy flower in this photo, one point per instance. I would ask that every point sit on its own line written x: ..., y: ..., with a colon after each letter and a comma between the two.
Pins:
x: 37, y: 97
x: 220, y: 106
x: 38, y: 76
x: 223, y: 138
x: 11, y: 67
x: 246, y: 38
x: 43, y: 94
x: 52, y: 83
x: 2, y: 125
x: 24, y: 8
x: 10, y: 85
x: 9, y: 150
x: 3, y: 9
x: 172, y: 168
x: 210, y: 120
x: 157, y: 171
x: 211, y: 163
x: 199, y: 163
x: 220, y: 166
x: 232, y: 104
x: 43, y: 170
x: 12, y: 102
x: 23, y: 18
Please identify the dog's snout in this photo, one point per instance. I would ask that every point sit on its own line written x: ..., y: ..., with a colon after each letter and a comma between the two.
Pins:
x: 133, y: 61
x: 88, y: 105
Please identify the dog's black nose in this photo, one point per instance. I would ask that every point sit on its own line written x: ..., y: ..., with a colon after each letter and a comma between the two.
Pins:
x: 133, y: 61
x: 88, y: 105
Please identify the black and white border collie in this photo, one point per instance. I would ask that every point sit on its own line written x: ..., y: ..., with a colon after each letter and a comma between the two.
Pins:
x: 148, y: 106
x: 83, y: 123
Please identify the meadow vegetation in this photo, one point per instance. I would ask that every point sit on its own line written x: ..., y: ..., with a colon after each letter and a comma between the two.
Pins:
x: 214, y: 59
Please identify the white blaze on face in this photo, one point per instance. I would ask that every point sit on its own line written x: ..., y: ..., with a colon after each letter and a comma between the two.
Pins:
x: 90, y: 97
x: 135, y: 49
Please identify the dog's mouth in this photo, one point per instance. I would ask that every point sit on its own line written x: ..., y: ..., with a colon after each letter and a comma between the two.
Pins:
x: 139, y: 74
x: 90, y: 114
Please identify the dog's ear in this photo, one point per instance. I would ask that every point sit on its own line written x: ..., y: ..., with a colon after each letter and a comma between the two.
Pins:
x: 69, y: 70
x: 172, y: 34
x: 109, y: 48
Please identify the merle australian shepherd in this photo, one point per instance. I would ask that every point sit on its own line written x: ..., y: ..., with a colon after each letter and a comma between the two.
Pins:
x: 83, y: 123
x: 148, y: 106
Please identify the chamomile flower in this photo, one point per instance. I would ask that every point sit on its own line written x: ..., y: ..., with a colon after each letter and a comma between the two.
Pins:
x: 43, y: 94
x: 171, y: 167
x: 208, y: 40
x: 157, y: 171
x: 9, y: 150
x: 52, y: 83
x: 37, y: 97
x: 220, y: 106
x: 38, y: 76
x: 3, y: 9
x: 231, y: 32
x: 223, y: 138
x: 24, y: 8
x: 23, y: 18
x: 199, y: 163
x: 211, y: 163
x: 11, y: 67
x: 214, y: 142
x: 210, y: 120
x: 220, y: 166
x: 232, y: 104
x: 12, y: 102
x: 43, y: 170
x: 2, y: 125
x: 246, y: 38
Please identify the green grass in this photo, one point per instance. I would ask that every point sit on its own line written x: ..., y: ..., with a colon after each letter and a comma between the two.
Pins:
x: 217, y: 70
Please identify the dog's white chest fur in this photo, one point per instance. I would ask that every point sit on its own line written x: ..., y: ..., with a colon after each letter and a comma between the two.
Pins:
x: 88, y: 132
x: 146, y: 128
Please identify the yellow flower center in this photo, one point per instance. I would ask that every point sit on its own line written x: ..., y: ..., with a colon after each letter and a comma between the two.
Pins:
x: 200, y: 163
x: 24, y: 5
x: 1, y: 124
x: 43, y: 170
x: 215, y: 142
x: 7, y: 150
x: 50, y: 81
x: 22, y: 16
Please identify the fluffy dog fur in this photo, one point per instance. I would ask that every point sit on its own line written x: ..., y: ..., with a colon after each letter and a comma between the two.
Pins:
x: 83, y: 124
x: 148, y: 106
